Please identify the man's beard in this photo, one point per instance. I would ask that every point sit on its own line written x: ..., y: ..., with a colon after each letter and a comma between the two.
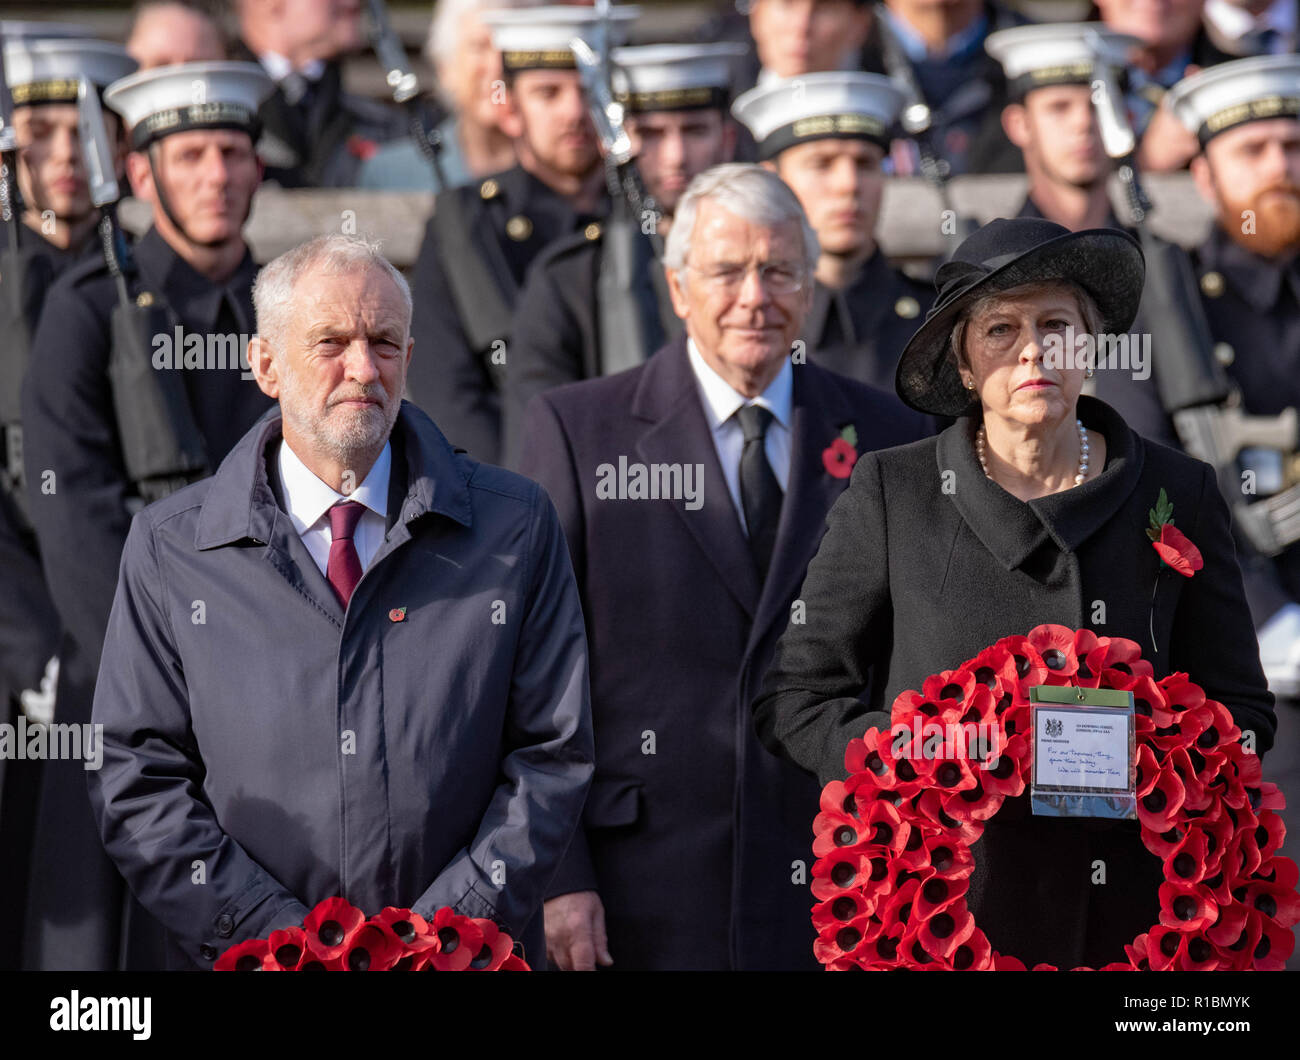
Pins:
x: 345, y: 435
x: 1272, y: 229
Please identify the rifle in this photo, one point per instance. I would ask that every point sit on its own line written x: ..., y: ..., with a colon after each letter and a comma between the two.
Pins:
x: 13, y: 358
x: 161, y: 444
x: 629, y: 331
x: 406, y: 87
x: 917, y: 120
x: 1198, y: 395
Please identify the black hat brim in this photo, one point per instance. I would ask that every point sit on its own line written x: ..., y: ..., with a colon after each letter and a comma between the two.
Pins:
x: 1105, y: 262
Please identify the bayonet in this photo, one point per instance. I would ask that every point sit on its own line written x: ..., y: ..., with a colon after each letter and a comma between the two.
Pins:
x: 404, y: 85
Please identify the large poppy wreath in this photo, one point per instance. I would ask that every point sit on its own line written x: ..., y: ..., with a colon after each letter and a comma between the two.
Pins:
x: 894, y: 841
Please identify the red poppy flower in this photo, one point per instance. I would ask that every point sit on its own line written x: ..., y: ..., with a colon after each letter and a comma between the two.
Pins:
x: 1275, y: 898
x: 360, y: 147
x: 974, y: 954
x: 1136, y: 952
x: 1165, y: 946
x: 1055, y: 645
x: 995, y: 668
x: 494, y: 949
x: 1187, y: 907
x: 514, y: 963
x: 252, y: 955
x: 1030, y: 668
x: 1120, y: 655
x: 1186, y: 862
x: 1148, y: 699
x: 931, y: 804
x: 330, y: 927
x: 831, y: 915
x: 1007, y: 776
x: 288, y: 946
x: 1158, y: 808
x: 948, y: 859
x: 938, y: 892
x: 372, y: 949
x: 459, y: 940
x: 838, y: 458
x: 407, y: 928
x: 847, y: 939
x: 1181, y: 693
x: 941, y: 933
x: 978, y: 803
x: 1177, y: 551
x: 1007, y: 963
x: 889, y: 771
x: 1195, y: 795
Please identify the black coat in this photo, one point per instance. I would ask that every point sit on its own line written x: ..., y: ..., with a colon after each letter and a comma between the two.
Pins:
x: 700, y: 850
x: 508, y: 219
x: 911, y: 580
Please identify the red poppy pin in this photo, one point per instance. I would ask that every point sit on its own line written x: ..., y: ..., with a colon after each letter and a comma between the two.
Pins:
x: 362, y: 148
x: 397, y: 614
x: 1172, y: 545
x: 840, y: 456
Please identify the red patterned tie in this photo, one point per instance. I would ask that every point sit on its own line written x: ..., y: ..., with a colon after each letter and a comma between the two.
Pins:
x: 344, y: 567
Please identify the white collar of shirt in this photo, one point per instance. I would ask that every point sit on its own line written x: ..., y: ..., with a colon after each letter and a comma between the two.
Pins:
x: 913, y: 43
x: 1235, y: 22
x: 721, y: 400
x: 278, y: 67
x: 307, y: 498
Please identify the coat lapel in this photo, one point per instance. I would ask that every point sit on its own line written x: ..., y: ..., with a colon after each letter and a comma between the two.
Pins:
x: 820, y: 411
x: 679, y: 434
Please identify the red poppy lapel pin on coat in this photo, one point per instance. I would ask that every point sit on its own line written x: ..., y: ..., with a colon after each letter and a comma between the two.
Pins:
x: 840, y: 456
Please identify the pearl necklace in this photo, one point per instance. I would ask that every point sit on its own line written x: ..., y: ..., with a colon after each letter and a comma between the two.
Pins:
x: 1083, y: 452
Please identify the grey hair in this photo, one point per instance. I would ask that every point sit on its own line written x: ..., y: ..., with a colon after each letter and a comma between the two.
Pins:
x: 273, y: 290
x: 1092, y: 319
x: 749, y: 191
x: 443, y: 39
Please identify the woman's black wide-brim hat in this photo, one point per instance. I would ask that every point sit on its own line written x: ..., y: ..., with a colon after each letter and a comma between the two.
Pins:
x: 1005, y: 253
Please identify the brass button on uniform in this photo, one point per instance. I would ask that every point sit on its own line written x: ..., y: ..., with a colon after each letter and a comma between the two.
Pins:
x: 489, y: 189
x: 1224, y: 353
x: 907, y: 307
x: 1212, y: 284
x: 144, y: 298
x: 519, y: 228
x: 592, y: 231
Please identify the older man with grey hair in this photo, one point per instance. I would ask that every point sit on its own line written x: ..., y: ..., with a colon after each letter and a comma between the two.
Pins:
x: 276, y: 727
x: 693, y: 490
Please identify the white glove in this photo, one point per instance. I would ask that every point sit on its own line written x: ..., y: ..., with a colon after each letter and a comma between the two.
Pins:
x: 1279, y: 651
x: 38, y: 705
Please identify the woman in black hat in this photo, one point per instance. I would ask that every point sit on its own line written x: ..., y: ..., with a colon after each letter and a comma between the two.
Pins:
x: 1031, y: 508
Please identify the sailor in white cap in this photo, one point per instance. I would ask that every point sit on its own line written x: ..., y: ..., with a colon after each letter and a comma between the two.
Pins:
x: 826, y: 135
x: 51, y: 222
x: 1051, y: 72
x: 188, y: 303
x: 484, y: 236
x: 1246, y: 117
x: 593, y: 310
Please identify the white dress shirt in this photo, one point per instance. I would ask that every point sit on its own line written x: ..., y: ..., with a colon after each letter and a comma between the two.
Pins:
x: 277, y: 67
x: 308, y: 500
x: 720, y: 403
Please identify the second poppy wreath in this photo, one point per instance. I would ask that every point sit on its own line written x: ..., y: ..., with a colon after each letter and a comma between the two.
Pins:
x: 896, y: 842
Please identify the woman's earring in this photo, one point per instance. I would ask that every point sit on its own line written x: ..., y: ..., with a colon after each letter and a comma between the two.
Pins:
x: 970, y: 384
x: 1088, y: 373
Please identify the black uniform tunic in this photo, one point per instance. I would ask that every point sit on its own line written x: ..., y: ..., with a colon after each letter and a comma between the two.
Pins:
x: 81, y: 519
x: 507, y: 220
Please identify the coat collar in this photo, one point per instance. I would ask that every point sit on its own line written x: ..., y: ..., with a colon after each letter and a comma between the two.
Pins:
x: 240, y: 503
x: 192, y: 296
x: 1255, y: 279
x: 1012, y: 529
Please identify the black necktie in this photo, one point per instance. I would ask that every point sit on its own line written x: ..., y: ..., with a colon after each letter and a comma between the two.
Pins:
x: 760, y: 494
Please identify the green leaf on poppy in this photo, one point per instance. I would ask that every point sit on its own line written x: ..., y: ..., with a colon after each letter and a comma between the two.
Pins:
x: 850, y: 435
